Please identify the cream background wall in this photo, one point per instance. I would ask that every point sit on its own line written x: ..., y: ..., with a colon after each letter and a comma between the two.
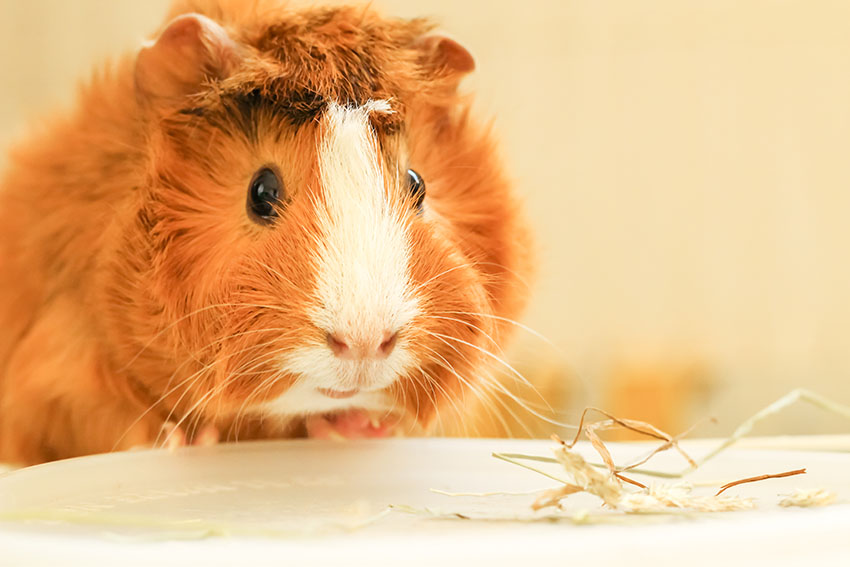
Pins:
x: 685, y: 163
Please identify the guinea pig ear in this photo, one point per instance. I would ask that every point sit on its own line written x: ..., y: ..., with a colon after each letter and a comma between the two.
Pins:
x: 191, y: 50
x: 447, y: 55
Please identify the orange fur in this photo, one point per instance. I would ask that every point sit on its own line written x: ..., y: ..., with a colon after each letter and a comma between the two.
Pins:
x: 133, y: 287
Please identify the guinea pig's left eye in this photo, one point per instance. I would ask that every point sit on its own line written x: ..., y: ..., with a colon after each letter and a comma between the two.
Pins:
x: 264, y: 196
x: 416, y: 186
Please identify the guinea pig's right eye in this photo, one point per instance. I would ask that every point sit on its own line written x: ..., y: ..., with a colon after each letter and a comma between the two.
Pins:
x: 264, y: 196
x: 416, y: 186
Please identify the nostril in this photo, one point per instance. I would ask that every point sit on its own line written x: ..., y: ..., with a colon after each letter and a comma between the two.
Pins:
x: 338, y: 346
x: 390, y: 340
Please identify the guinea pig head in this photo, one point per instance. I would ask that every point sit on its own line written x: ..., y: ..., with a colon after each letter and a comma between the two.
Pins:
x: 320, y: 226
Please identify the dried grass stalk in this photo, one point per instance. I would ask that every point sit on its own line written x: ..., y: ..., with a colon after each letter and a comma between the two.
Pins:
x: 757, y: 479
x: 798, y: 395
x: 586, y: 478
x: 583, y: 477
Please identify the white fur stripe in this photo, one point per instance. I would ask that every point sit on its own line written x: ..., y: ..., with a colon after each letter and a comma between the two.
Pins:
x: 362, y: 255
x: 363, y: 260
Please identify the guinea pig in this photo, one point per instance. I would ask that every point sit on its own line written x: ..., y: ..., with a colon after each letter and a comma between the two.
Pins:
x: 267, y: 222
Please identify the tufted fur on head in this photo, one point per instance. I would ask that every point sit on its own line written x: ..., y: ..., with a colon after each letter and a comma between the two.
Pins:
x: 138, y: 288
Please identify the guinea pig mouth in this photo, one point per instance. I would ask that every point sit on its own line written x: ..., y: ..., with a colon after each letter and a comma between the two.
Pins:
x: 339, y: 394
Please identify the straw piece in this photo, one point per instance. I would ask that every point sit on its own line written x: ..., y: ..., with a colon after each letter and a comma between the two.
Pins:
x: 665, y: 446
x: 798, y: 395
x: 579, y: 517
x: 631, y: 424
x: 552, y: 498
x: 631, y: 481
x: 807, y: 498
x: 758, y: 478
x: 588, y: 478
x: 660, y: 498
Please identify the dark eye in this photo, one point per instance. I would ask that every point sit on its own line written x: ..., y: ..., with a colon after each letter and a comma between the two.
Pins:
x: 264, y: 196
x: 416, y: 186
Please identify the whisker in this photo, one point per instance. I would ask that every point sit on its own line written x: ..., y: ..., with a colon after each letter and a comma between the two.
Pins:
x: 173, y: 324
x: 510, y: 321
x: 170, y: 390
x: 501, y: 361
x: 441, y: 274
x: 457, y: 412
x: 494, y: 410
x: 504, y: 390
x: 214, y: 390
x: 477, y: 328
x: 283, y: 278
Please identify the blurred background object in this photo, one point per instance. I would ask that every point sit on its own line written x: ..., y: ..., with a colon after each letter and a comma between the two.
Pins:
x: 685, y: 164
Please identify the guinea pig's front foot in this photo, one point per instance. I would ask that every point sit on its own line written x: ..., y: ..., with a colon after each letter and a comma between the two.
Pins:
x: 351, y: 424
x: 173, y: 436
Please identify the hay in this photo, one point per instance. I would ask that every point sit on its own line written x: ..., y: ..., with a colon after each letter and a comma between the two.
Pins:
x: 582, y: 476
x: 609, y: 488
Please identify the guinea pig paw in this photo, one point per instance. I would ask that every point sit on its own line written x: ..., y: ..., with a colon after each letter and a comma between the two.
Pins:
x: 207, y: 436
x: 352, y: 424
x: 174, y: 437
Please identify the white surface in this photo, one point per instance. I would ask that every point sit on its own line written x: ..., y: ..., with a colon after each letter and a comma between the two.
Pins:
x: 309, y: 502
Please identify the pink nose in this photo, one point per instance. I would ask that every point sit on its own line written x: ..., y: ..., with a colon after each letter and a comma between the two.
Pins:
x: 359, y: 348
